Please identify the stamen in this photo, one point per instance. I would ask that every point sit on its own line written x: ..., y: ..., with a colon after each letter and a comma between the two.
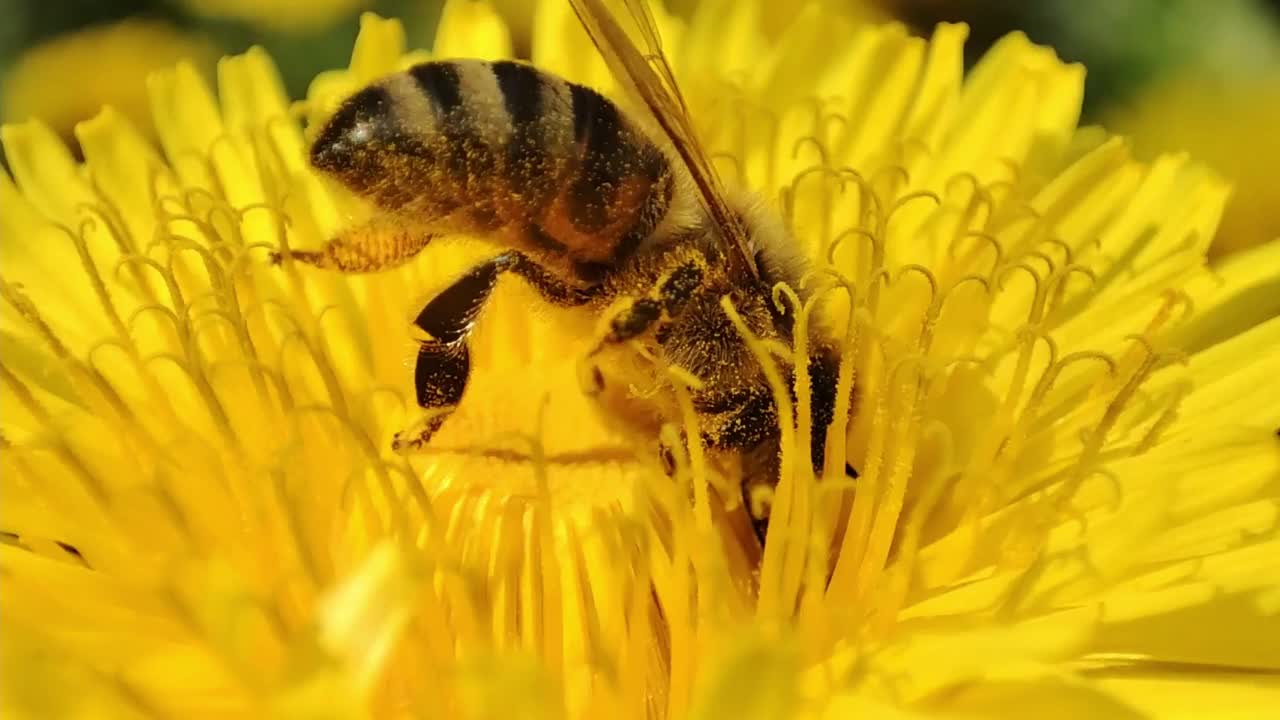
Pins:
x: 836, y: 454
x: 823, y: 160
x: 321, y: 357
x: 1064, y: 247
x: 109, y: 216
x: 1057, y: 288
x: 162, y: 310
x: 904, y: 180
x: 843, y: 237
x: 22, y: 305
x: 989, y: 239
x: 27, y: 310
x: 869, y: 210
x: 912, y: 143
x: 825, y: 173
x: 290, y: 510
x: 1050, y: 378
x: 327, y: 377
x: 783, y: 556
x: 733, y: 160
x: 803, y: 385
x: 1094, y: 439
x: 782, y: 289
x: 858, y: 523
x: 1167, y: 418
x: 1050, y: 266
x: 95, y: 279
x: 1035, y: 312
x: 697, y: 462
x: 261, y: 370
x: 923, y: 272
x: 891, y: 598
x: 901, y: 449
x: 93, y: 486
x: 826, y: 120
x: 985, y: 282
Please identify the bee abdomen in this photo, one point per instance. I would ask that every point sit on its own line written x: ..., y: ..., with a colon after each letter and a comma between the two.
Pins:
x: 476, y: 146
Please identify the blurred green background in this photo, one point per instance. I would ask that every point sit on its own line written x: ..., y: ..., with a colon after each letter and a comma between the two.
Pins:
x: 1195, y: 75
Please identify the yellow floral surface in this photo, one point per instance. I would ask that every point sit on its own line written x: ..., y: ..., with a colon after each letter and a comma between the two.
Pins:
x: 1066, y: 424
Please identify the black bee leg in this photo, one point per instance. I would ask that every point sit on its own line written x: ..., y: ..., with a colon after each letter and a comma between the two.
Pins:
x: 667, y: 299
x: 664, y: 301
x: 444, y: 360
x: 548, y: 285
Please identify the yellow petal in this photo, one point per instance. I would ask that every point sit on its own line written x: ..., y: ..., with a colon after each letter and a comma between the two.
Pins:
x: 473, y: 30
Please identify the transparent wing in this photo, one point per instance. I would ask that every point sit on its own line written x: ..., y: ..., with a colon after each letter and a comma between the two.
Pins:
x: 648, y: 78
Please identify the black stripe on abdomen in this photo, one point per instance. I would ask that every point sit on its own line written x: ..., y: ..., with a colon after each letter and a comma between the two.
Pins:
x: 441, y: 82
x: 529, y: 166
x: 464, y: 156
x: 521, y: 88
x: 608, y: 152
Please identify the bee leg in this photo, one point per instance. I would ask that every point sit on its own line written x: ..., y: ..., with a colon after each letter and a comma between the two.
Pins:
x: 371, y: 247
x: 665, y: 301
x: 550, y: 287
x: 444, y: 360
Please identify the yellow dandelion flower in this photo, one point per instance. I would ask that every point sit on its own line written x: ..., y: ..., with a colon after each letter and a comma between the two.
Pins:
x: 1069, y: 485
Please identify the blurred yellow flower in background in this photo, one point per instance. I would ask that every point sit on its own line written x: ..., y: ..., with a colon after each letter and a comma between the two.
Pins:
x: 69, y: 78
x: 1229, y: 124
x: 284, y: 15
x: 1069, y: 497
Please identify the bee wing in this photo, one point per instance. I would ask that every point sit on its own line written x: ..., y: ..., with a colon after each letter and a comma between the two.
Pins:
x: 649, y: 79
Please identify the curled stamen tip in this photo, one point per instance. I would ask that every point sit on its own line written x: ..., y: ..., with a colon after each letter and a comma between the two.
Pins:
x: 984, y: 236
x: 781, y: 289
x: 984, y: 282
x: 1178, y: 296
x: 817, y: 144
x: 954, y: 180
x: 1062, y: 245
x: 806, y: 280
x: 844, y: 236
x: 1079, y: 270
x: 893, y: 169
x: 1048, y: 261
x: 1014, y: 167
x: 924, y: 272
x: 1003, y: 273
x: 912, y: 197
x: 761, y: 497
x: 1144, y: 341
x: 1101, y: 357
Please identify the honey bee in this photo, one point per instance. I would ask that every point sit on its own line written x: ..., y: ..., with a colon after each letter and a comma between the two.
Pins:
x: 597, y: 208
